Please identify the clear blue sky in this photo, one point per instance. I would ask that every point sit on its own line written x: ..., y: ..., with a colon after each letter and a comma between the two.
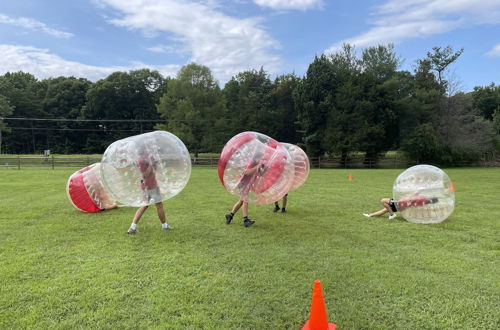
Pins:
x: 92, y: 38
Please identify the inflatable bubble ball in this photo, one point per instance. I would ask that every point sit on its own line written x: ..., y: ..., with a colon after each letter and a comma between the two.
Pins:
x: 146, y: 169
x: 86, y: 191
x: 424, y: 194
x: 256, y: 168
x: 300, y: 163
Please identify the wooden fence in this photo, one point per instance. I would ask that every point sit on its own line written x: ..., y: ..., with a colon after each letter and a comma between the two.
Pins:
x: 61, y: 161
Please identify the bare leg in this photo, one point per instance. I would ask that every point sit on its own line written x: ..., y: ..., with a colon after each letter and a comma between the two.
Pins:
x: 236, y: 207
x: 376, y: 214
x: 387, y: 208
x: 161, y: 212
x: 139, y: 214
x: 285, y: 198
x: 245, y: 209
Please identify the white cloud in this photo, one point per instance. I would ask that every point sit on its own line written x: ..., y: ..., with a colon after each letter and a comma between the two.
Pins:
x: 31, y: 24
x: 494, y: 52
x: 397, y: 20
x: 290, y: 4
x: 225, y: 44
x: 42, y: 64
x: 176, y: 48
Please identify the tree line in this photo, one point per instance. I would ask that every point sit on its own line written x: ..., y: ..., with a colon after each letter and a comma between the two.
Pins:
x: 345, y: 103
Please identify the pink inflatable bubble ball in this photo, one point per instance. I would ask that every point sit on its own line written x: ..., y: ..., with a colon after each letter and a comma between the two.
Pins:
x: 256, y: 168
x: 86, y: 191
x: 300, y: 163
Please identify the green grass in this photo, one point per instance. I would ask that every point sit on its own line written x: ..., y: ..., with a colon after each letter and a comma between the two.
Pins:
x: 64, y: 269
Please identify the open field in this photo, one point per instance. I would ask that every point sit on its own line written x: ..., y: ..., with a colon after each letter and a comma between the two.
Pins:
x: 64, y: 269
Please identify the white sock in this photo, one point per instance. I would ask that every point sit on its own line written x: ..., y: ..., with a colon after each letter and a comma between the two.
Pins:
x: 133, y: 226
x: 367, y: 215
x: 164, y: 225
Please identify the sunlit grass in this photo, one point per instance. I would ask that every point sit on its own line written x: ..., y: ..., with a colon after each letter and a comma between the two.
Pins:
x: 61, y: 268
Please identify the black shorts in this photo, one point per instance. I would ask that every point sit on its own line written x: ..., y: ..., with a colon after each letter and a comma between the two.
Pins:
x: 392, y: 204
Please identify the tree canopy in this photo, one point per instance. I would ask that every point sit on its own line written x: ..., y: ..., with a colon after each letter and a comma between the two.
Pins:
x: 347, y: 102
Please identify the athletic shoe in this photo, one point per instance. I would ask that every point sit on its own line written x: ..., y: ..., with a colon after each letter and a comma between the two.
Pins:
x: 132, y: 231
x: 166, y: 228
x: 276, y: 208
x: 248, y: 222
x: 367, y: 215
x: 283, y: 211
x: 229, y: 217
x: 392, y: 216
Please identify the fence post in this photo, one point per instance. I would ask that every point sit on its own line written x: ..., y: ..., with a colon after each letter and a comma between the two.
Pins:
x: 319, y: 161
x: 52, y: 161
x: 18, y: 162
x: 211, y: 164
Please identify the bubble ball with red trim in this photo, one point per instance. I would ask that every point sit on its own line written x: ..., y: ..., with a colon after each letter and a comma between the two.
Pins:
x: 424, y: 194
x: 146, y: 169
x: 300, y: 163
x: 86, y: 192
x: 256, y: 168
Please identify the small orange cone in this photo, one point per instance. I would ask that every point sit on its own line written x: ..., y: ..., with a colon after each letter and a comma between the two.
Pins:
x: 452, y: 186
x: 349, y: 177
x: 318, y: 319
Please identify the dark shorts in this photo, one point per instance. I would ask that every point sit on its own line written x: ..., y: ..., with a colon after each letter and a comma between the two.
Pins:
x: 392, y: 204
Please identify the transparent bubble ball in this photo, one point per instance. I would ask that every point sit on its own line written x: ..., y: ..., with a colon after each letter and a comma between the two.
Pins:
x: 86, y: 191
x: 424, y: 194
x: 146, y: 169
x: 256, y: 168
x: 300, y: 163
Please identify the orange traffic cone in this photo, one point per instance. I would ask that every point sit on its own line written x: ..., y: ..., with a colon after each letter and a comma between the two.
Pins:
x: 452, y: 187
x: 318, y: 319
x: 349, y: 177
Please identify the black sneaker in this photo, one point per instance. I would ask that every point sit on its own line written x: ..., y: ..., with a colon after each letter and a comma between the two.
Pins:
x: 276, y: 208
x: 283, y: 211
x: 248, y: 222
x: 229, y: 217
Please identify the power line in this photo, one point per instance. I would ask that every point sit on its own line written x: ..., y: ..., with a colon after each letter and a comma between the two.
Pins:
x: 79, y: 129
x: 84, y: 120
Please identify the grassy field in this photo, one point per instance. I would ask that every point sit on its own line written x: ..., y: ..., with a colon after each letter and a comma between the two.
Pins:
x: 63, y: 269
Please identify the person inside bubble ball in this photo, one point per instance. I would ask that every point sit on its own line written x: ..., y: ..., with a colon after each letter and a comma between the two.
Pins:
x: 391, y: 206
x: 283, y: 204
x: 254, y: 167
x: 147, y: 165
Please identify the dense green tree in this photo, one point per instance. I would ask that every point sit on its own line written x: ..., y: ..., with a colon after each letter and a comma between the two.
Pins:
x: 25, y: 94
x: 286, y: 129
x: 64, y: 99
x: 486, y: 100
x: 193, y: 109
x: 5, y: 110
x: 420, y: 118
x: 313, y: 99
x: 348, y: 104
x: 379, y: 104
x: 127, y: 97
x: 250, y: 104
x: 464, y: 134
x: 496, y: 120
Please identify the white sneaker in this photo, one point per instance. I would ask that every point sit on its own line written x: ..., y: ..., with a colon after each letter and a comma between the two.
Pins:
x: 392, y: 216
x: 132, y: 231
x: 167, y: 227
x: 367, y: 215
